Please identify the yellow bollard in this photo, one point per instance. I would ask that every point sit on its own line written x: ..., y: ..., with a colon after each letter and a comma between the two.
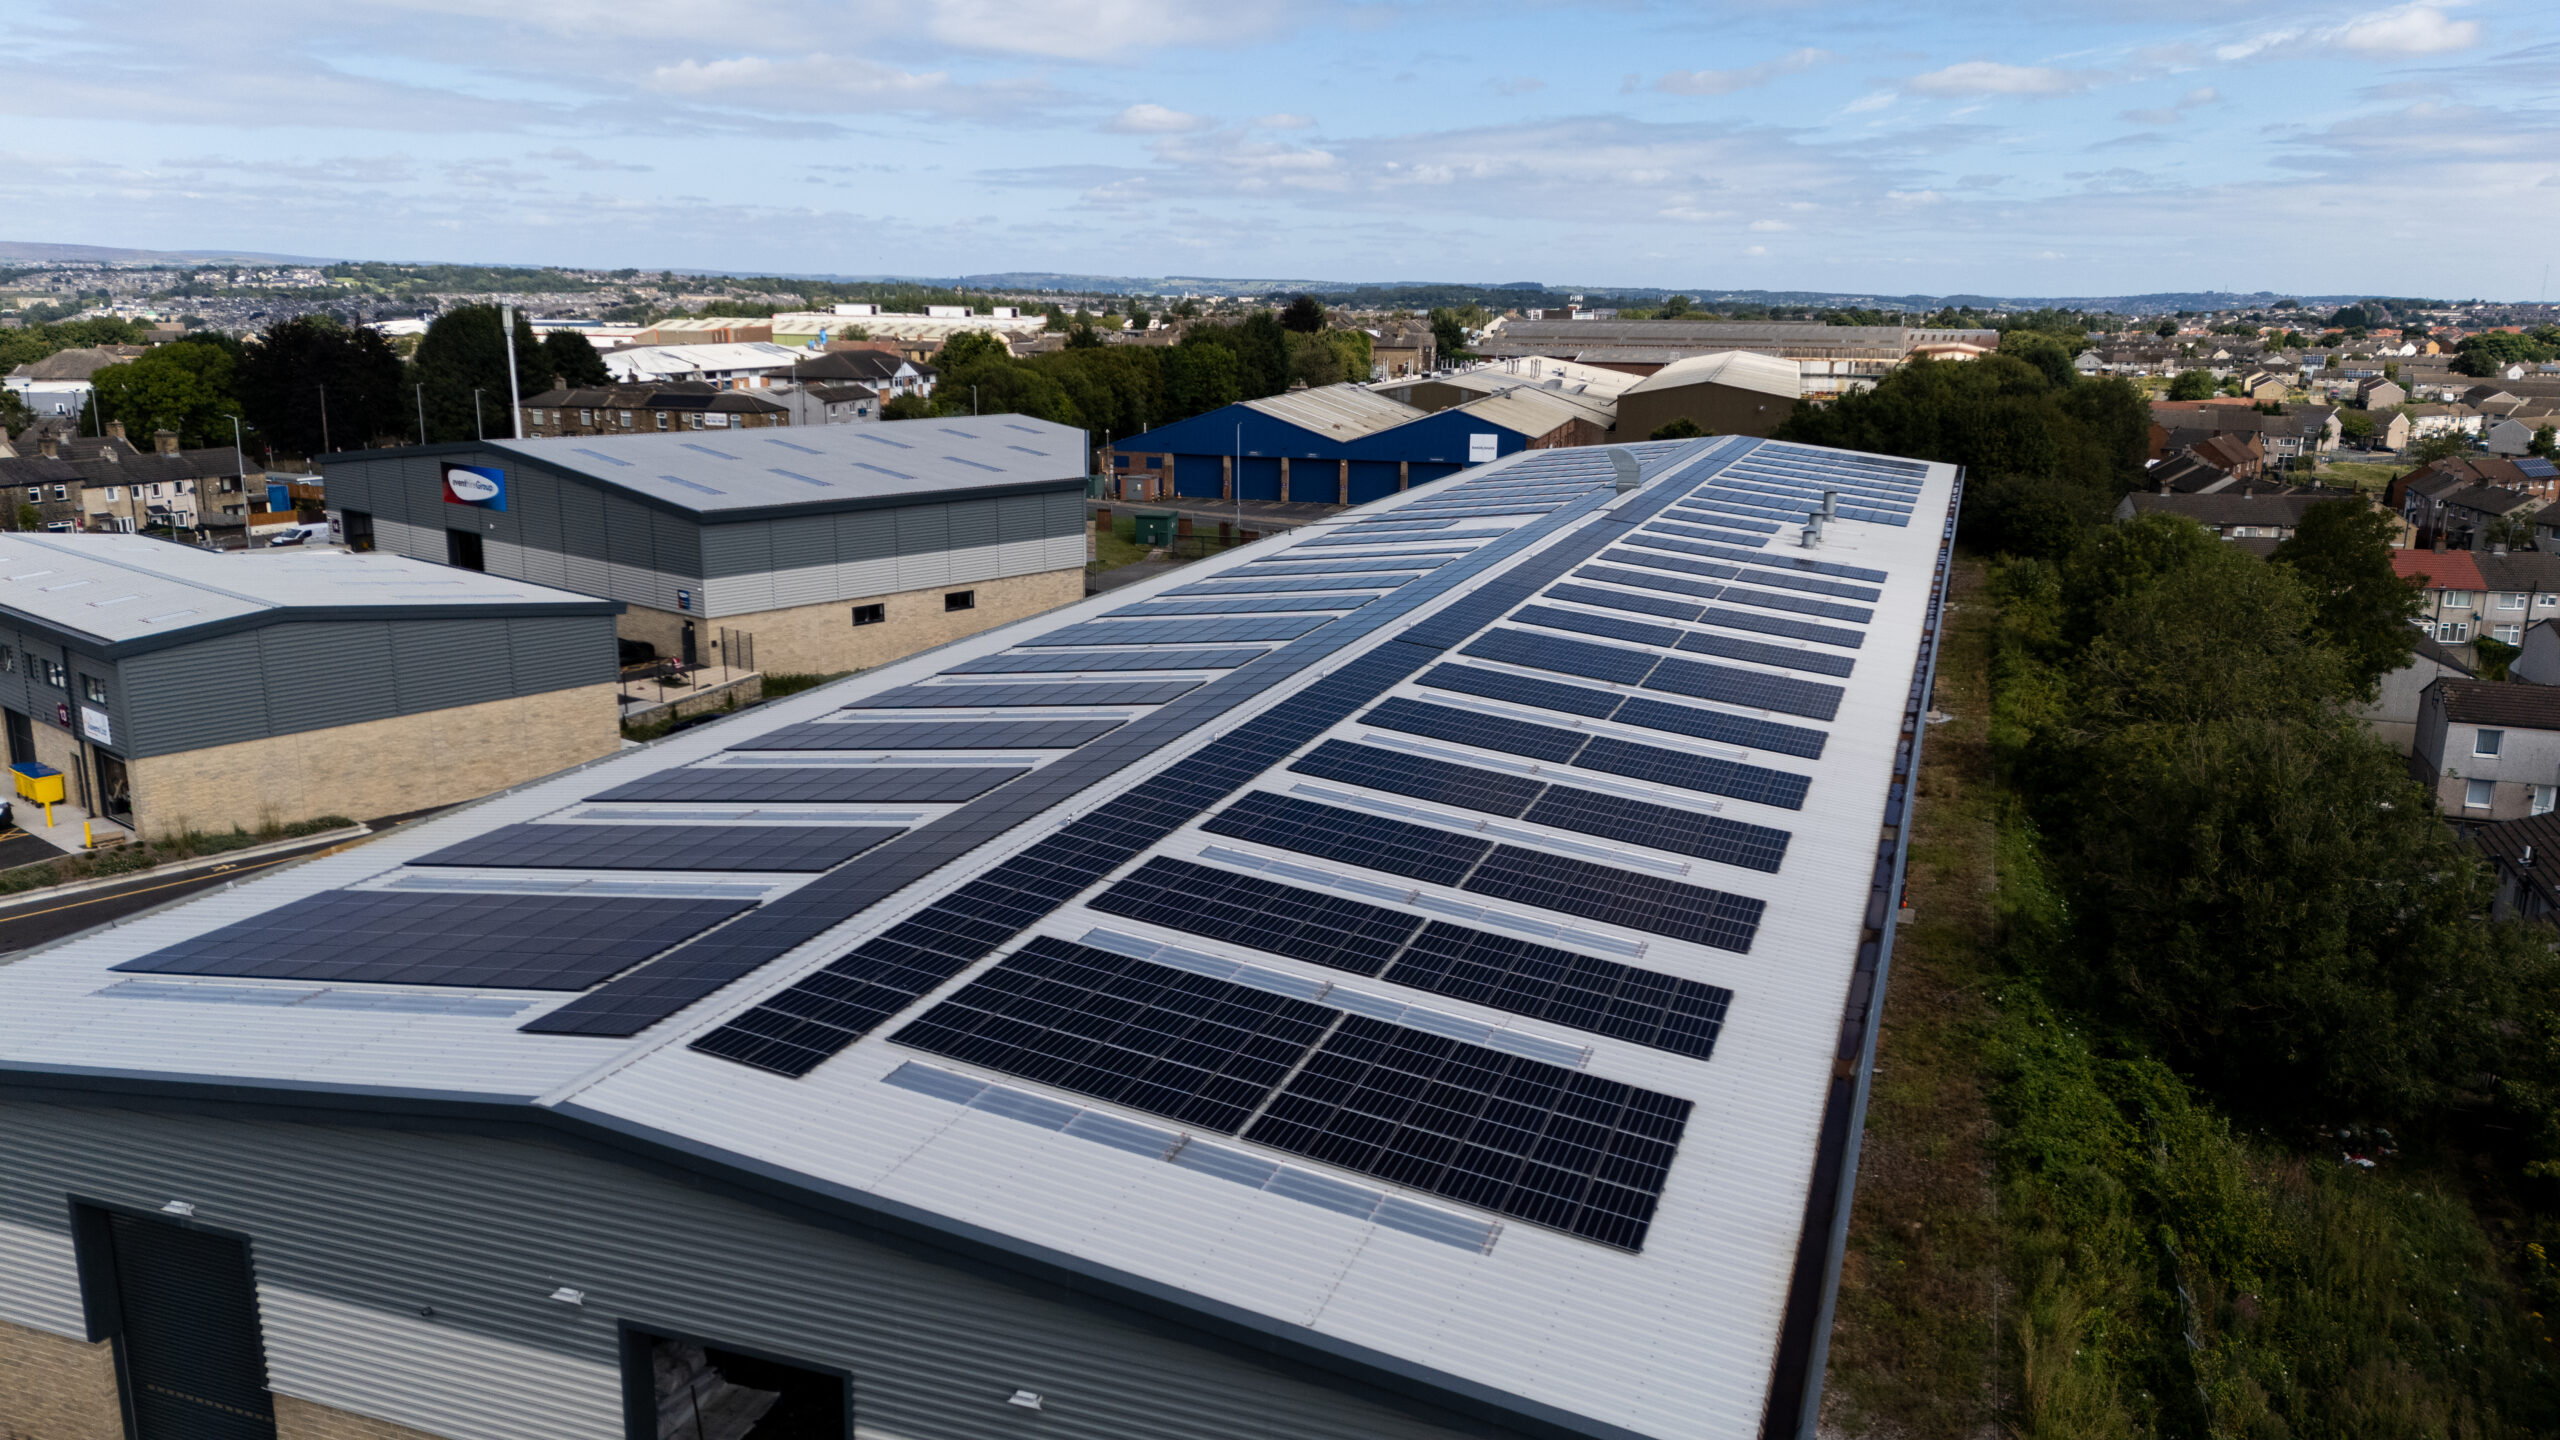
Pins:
x: 87, y: 841
x: 48, y: 814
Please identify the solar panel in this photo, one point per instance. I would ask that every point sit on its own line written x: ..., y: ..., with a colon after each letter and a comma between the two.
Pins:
x: 1561, y: 987
x: 1769, y: 600
x: 1332, y: 833
x: 1660, y: 827
x: 1523, y: 690
x: 994, y: 697
x: 1467, y: 727
x: 1703, y: 681
x: 1653, y: 562
x: 1327, y: 930
x: 1621, y: 600
x: 663, y: 847
x: 1548, y: 1145
x: 932, y: 735
x: 1438, y: 781
x: 1610, y: 627
x: 1343, y: 566
x: 839, y: 785
x: 1782, y: 656
x: 1284, y: 584
x: 1032, y: 662
x: 1180, y: 632
x: 1241, y: 605
x: 1793, y: 562
x: 1774, y: 625
x: 1716, y: 725
x: 1195, y: 1050
x: 1650, y: 763
x: 497, y: 942
x: 1564, y: 657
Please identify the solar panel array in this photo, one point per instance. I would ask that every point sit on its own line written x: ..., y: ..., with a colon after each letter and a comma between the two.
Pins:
x: 843, y: 785
x: 1556, y: 745
x: 663, y: 847
x: 932, y: 735
x: 1032, y: 662
x: 1628, y: 710
x: 493, y: 942
x: 1621, y: 666
x: 997, y: 697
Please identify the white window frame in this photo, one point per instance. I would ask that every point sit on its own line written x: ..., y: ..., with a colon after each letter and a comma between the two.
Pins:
x: 2457, y: 599
x: 2511, y: 599
x: 2488, y: 741
x: 2546, y: 798
x: 2453, y: 632
x: 2479, y: 794
x: 2510, y: 634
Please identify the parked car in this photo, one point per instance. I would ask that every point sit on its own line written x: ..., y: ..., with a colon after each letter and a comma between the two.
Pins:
x: 302, y: 534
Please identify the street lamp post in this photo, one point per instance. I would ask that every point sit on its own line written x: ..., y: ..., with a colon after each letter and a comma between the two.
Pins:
x: 325, y: 446
x: 476, y: 425
x: 422, y: 414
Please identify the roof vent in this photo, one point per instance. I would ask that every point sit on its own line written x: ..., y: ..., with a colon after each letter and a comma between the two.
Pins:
x: 2527, y: 857
x: 1027, y: 1399
x: 1630, y: 474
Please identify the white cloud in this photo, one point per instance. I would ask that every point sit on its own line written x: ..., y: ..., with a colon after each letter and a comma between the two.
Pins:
x: 1283, y: 120
x: 1154, y: 120
x: 819, y: 73
x: 1725, y: 82
x: 1755, y: 249
x: 1989, y: 77
x: 1771, y: 225
x: 1913, y: 197
x: 2409, y: 30
x: 1100, y: 29
x: 1519, y: 85
x: 1876, y: 100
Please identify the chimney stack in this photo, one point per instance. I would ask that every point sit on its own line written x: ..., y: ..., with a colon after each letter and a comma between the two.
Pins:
x: 49, y: 447
x: 115, y: 429
x: 165, y: 441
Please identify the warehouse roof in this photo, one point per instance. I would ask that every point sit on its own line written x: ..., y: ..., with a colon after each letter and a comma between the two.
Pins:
x: 1419, y: 946
x: 1741, y: 369
x: 1344, y: 412
x: 122, y: 593
x: 735, y: 473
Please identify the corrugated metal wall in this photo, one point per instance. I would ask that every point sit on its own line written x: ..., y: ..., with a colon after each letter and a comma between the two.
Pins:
x: 591, y: 539
x: 357, y: 1233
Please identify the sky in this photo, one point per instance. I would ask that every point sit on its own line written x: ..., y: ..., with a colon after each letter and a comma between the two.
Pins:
x: 2068, y: 147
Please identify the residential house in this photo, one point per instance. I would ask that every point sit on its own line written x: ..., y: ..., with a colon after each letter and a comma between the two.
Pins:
x: 2419, y: 495
x: 2467, y: 593
x: 2538, y: 662
x: 2526, y: 856
x: 2249, y: 513
x: 2488, y: 751
x: 2261, y: 385
x: 2479, y: 517
x: 45, y: 481
x: 1400, y: 349
x: 58, y: 384
x: 819, y: 403
x: 2380, y: 394
x: 2390, y: 430
x: 640, y: 409
x: 2482, y: 396
x: 2508, y: 436
x: 2392, y: 715
x: 2438, y: 419
x: 886, y: 374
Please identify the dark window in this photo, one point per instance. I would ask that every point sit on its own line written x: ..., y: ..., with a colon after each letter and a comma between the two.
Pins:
x: 960, y: 600
x: 93, y: 689
x: 870, y: 614
x: 462, y: 550
x: 359, y: 529
x: 667, y: 1384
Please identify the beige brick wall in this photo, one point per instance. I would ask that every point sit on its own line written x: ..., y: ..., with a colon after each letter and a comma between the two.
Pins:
x: 377, y: 767
x: 304, y: 1420
x: 53, y: 1387
x: 822, y: 639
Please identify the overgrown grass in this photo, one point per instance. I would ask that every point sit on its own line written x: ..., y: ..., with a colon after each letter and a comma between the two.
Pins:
x: 129, y: 859
x: 778, y: 685
x: 1117, y: 546
x: 2059, y: 1238
x: 2359, y: 474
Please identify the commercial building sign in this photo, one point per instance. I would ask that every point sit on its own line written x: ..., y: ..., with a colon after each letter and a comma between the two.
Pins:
x: 1481, y: 448
x: 481, y: 485
x: 93, y: 723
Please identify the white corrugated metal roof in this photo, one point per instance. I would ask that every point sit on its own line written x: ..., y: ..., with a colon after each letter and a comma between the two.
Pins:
x: 1674, y: 1339
x: 1344, y: 412
x: 1741, y: 369
x: 747, y: 468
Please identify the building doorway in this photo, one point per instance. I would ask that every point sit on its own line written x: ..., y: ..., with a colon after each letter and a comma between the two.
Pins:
x: 183, y: 1312
x: 115, y: 786
x: 463, y: 550
x: 690, y: 657
x: 678, y: 1389
x: 22, y: 739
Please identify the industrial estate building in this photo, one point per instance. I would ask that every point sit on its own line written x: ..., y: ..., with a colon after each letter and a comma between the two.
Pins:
x: 1411, y: 979
x: 1341, y: 444
x: 178, y: 689
x: 835, y: 547
x: 1732, y: 392
x: 1829, y: 358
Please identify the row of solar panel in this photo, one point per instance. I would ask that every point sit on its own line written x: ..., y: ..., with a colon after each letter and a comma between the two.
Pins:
x: 1652, y: 557
x: 1719, y: 615
x: 1504, y: 973
x: 1555, y: 745
x: 1696, y: 679
x: 1753, y: 573
x: 1637, y: 710
x: 1032, y: 662
x: 1582, y: 622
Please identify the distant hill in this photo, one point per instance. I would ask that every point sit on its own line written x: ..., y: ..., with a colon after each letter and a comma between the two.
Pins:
x: 26, y: 252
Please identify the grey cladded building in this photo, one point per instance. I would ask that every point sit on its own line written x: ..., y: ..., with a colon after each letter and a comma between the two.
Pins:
x: 835, y: 547
x: 1414, y: 979
x: 181, y: 689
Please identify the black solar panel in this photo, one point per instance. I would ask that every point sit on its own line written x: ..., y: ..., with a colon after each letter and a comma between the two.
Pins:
x: 1522, y: 690
x: 1651, y: 580
x: 1716, y: 725
x: 1661, y: 827
x: 1608, y: 627
x: 1811, y: 585
x: 1775, y: 625
x: 1771, y: 600
x: 1621, y: 600
x: 1332, y: 833
x: 1564, y: 988
x: 1746, y: 687
x: 1544, y: 1144
x: 1033, y: 662
x: 1223, y: 631
x: 664, y: 847
x: 1342, y: 566
x: 395, y: 937
x: 1779, y: 655
x: 1564, y: 657
x: 1239, y: 605
x: 827, y: 785
x: 1438, y: 781
x: 1199, y: 1051
x: 1283, y: 585
x: 1556, y: 745
x: 1490, y: 732
x: 1327, y: 930
x: 1619, y: 897
x: 932, y: 735
x: 996, y: 697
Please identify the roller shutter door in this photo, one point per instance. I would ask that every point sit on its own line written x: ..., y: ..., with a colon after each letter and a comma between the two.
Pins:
x: 194, y: 1367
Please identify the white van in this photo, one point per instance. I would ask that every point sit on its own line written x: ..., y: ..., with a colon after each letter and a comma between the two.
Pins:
x: 308, y: 532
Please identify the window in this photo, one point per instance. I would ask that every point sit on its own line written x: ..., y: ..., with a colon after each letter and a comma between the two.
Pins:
x: 2487, y: 742
x: 2545, y: 797
x: 2510, y: 600
x: 662, y: 419
x: 626, y: 419
x: 2476, y: 794
x: 2457, y: 599
x: 464, y: 551
x: 114, y: 493
x: 61, y: 492
x: 48, y: 671
x: 2510, y: 634
x: 35, y: 492
x: 93, y: 689
x: 870, y: 614
x: 8, y: 660
x: 2453, y: 632
x: 586, y: 417
x: 960, y: 600
x: 2545, y: 602
x: 696, y: 418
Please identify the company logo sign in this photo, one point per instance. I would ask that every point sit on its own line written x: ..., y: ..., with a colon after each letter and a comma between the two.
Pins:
x: 481, y: 485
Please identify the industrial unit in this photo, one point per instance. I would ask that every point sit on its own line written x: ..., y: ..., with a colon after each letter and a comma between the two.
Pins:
x: 833, y: 547
x: 1830, y: 359
x: 178, y: 689
x: 1732, y: 392
x: 1339, y: 445
x: 1414, y: 978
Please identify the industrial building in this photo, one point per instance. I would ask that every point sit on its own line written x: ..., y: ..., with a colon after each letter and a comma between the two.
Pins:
x: 176, y: 689
x: 1829, y: 358
x: 834, y: 547
x: 1340, y: 444
x: 1732, y: 392
x: 1411, y: 979
x: 1587, y: 388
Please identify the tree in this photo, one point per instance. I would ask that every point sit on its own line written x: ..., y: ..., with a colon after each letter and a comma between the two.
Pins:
x: 970, y: 347
x: 1449, y: 334
x: 462, y: 362
x: 2356, y: 425
x: 2546, y: 443
x: 2442, y: 445
x: 1675, y: 306
x: 14, y: 414
x: 1678, y: 428
x: 284, y: 375
x: 2043, y: 352
x: 186, y: 387
x: 2165, y: 329
x: 1305, y: 315
x: 2192, y: 385
x: 1138, y: 316
x: 1199, y: 378
x: 573, y: 360
x: 2340, y: 554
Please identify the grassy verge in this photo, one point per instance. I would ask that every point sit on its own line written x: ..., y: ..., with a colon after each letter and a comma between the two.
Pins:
x: 2359, y: 474
x: 129, y: 859
x: 1119, y: 546
x: 2056, y: 1237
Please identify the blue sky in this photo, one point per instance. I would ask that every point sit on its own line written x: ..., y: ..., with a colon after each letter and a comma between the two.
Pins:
x: 2067, y: 147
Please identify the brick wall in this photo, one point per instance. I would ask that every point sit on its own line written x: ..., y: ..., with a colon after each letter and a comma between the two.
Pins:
x: 304, y: 1420
x: 377, y: 767
x: 53, y: 1387
x: 822, y: 639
